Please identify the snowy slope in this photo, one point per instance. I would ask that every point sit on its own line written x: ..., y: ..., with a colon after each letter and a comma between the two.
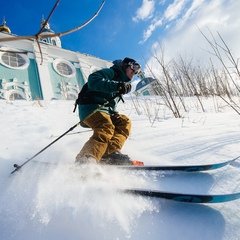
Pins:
x: 62, y: 202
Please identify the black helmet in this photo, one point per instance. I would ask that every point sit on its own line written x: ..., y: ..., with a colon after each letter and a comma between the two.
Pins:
x: 132, y: 63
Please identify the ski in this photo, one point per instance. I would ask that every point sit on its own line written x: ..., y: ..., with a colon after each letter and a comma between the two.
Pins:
x: 185, y: 168
x: 182, y: 197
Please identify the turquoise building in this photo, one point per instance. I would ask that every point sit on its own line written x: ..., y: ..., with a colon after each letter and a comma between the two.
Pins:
x: 147, y: 86
x: 57, y: 73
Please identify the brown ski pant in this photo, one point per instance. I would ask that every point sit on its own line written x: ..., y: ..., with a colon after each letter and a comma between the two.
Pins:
x: 109, y: 134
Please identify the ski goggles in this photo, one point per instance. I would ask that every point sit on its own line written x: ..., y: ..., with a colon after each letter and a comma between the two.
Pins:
x: 134, y: 66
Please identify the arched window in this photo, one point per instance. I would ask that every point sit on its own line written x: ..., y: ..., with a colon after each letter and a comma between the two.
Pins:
x: 54, y: 42
x: 14, y: 60
x: 64, y: 68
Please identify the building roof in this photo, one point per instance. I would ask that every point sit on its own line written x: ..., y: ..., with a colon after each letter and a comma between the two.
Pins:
x: 144, y: 82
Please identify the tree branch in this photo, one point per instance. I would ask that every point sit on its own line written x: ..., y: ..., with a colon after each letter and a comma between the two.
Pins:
x: 39, y: 35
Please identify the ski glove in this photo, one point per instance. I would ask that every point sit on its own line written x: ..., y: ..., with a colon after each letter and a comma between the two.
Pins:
x: 124, y: 88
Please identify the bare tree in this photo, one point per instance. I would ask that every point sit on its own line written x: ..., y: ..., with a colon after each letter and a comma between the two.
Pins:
x: 222, y: 48
x: 189, y: 74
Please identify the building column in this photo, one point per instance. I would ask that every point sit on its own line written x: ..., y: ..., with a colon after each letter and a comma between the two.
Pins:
x: 43, y: 71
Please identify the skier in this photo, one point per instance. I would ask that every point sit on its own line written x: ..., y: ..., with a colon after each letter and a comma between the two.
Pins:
x: 110, y: 129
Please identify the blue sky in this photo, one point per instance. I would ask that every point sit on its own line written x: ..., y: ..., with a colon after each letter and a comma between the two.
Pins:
x: 130, y: 28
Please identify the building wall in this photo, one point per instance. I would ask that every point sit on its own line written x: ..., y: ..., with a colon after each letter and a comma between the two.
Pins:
x: 23, y: 80
x: 41, y: 78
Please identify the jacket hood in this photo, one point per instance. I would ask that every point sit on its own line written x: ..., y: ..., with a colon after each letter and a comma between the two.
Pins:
x: 117, y: 67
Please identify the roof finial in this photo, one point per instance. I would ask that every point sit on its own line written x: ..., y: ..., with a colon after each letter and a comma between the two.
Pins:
x: 47, y: 26
x: 4, y: 21
x: 4, y: 27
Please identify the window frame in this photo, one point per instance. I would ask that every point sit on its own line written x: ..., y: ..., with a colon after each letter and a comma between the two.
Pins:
x: 69, y: 64
x: 14, y: 51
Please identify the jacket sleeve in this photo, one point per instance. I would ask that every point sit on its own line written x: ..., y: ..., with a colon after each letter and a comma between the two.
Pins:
x: 102, y: 81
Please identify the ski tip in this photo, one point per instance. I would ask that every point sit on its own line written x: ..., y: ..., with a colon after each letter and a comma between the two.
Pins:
x: 137, y: 163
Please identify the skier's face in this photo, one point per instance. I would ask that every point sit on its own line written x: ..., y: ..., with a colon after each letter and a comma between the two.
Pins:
x: 130, y: 72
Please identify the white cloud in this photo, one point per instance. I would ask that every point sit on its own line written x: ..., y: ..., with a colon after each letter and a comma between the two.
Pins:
x: 151, y: 28
x: 216, y: 15
x: 145, y: 11
x: 190, y: 12
x: 171, y: 13
x: 174, y: 10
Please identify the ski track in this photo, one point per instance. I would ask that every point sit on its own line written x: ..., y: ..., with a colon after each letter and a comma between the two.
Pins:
x: 67, y: 203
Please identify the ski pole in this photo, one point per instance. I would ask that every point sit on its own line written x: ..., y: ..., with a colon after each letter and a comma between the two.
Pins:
x: 18, y: 167
x: 52, y: 136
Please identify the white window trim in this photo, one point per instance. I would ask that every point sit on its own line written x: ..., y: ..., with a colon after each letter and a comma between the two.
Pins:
x: 59, y: 60
x: 24, y: 56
